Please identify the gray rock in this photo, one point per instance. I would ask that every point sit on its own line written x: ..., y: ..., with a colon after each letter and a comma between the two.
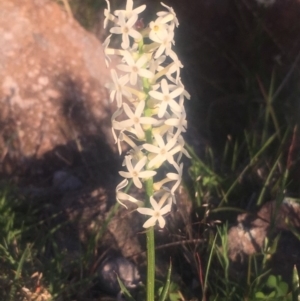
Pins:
x: 121, y: 267
x: 65, y: 181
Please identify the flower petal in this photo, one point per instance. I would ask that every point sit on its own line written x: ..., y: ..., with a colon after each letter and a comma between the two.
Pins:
x: 146, y: 211
x: 151, y: 148
x: 140, y: 164
x: 161, y: 222
x: 150, y: 222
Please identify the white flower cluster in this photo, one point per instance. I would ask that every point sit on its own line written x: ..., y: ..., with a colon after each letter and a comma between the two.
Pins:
x: 150, y: 100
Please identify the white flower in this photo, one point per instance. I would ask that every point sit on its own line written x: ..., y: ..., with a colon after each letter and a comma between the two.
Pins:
x: 178, y: 121
x: 163, y: 151
x: 107, y: 14
x: 165, y: 44
x: 176, y: 177
x: 135, y: 172
x: 167, y: 98
x: 157, y: 185
x: 155, y: 64
x: 126, y: 29
x: 136, y: 150
x: 105, y: 45
x: 165, y: 194
x: 116, y: 126
x: 129, y: 11
x: 136, y: 120
x: 158, y: 29
x: 121, y: 196
x: 181, y: 143
x: 117, y: 87
x: 175, y: 67
x: 185, y: 94
x: 170, y: 14
x: 135, y: 68
x: 156, y: 213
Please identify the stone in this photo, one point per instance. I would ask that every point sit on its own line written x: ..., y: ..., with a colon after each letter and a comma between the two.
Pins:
x: 52, y: 77
x: 111, y: 268
x: 65, y: 181
x: 274, y: 222
x: 248, y: 237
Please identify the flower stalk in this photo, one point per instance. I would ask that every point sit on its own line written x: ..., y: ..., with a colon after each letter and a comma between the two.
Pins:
x: 150, y: 115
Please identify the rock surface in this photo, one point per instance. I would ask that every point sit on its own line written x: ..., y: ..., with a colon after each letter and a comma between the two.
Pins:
x: 248, y: 237
x: 52, y: 76
x: 273, y: 222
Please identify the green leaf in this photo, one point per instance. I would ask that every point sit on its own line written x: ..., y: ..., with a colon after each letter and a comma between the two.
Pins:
x: 25, y: 255
x: 295, y: 285
x: 272, y: 281
x: 124, y: 290
x: 175, y: 296
x: 282, y: 289
x: 272, y: 294
x: 166, y: 287
x: 260, y: 295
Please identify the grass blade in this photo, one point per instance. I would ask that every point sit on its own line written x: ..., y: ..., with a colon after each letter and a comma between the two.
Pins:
x: 295, y: 285
x: 124, y: 290
x: 165, y: 290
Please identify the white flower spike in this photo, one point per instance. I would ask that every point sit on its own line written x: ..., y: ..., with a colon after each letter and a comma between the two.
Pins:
x: 150, y: 116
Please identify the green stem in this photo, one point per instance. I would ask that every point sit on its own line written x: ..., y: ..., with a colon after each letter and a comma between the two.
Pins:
x: 150, y: 264
x: 149, y: 192
x: 150, y: 240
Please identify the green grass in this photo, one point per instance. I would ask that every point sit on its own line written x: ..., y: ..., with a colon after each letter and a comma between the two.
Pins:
x: 259, y: 160
x: 32, y: 262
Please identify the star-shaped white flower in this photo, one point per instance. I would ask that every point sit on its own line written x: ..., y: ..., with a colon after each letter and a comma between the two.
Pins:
x: 178, y: 121
x: 126, y: 29
x: 167, y: 98
x: 129, y: 11
x: 165, y: 44
x: 156, y: 213
x: 162, y: 151
x: 181, y: 143
x: 135, y: 68
x: 185, y: 93
x: 136, y: 120
x: 136, y: 172
x: 158, y: 29
x: 175, y: 67
x: 176, y: 176
x: 117, y: 87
